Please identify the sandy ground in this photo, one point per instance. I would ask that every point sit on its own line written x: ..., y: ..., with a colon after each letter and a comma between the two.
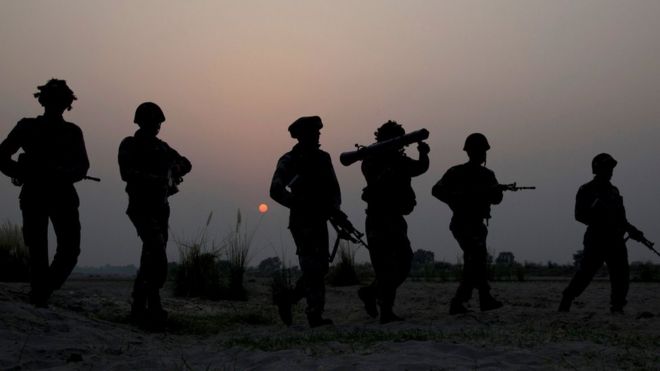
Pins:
x: 87, y: 327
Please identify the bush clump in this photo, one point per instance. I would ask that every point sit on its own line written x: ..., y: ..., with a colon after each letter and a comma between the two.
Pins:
x: 14, y: 255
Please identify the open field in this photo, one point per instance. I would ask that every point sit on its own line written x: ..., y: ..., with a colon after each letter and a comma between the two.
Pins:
x: 87, y: 327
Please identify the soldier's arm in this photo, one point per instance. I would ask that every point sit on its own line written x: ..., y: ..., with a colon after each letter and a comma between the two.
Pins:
x: 495, y: 194
x: 8, y: 148
x: 281, y: 178
x: 126, y: 160
x: 77, y: 169
x: 181, y: 165
x: 334, y: 186
x: 442, y: 190
x: 420, y: 166
x: 584, y: 203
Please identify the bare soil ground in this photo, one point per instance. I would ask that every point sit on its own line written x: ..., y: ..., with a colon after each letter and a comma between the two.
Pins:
x: 87, y: 327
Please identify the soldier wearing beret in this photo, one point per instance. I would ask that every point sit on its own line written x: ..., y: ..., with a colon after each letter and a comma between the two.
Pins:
x: 305, y: 182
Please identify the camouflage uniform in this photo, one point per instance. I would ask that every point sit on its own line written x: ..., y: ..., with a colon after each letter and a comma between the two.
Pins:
x: 54, y: 158
x: 600, y: 206
x: 389, y: 196
x: 151, y: 170
x: 469, y: 189
x: 314, y: 193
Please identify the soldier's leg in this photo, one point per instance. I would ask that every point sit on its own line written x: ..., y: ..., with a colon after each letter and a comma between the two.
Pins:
x: 312, y: 247
x: 153, y: 260
x: 469, y: 244
x: 314, y: 269
x: 617, y: 265
x: 35, y: 236
x: 592, y: 260
x: 66, y: 223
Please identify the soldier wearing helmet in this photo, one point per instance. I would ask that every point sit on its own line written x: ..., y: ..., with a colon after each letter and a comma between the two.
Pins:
x: 54, y: 159
x: 599, y: 205
x: 389, y: 196
x: 305, y: 182
x: 152, y: 171
x: 469, y: 190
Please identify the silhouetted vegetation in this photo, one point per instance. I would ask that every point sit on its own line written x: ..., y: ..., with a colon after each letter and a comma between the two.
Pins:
x: 14, y: 255
x: 214, y: 271
x: 343, y: 273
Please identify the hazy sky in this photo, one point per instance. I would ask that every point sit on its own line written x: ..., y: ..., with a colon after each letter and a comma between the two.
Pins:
x: 550, y: 83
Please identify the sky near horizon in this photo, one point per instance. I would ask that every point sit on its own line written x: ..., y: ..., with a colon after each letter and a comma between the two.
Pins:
x: 550, y: 83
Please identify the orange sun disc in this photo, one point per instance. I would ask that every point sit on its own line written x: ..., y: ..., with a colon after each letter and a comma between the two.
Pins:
x: 263, y: 208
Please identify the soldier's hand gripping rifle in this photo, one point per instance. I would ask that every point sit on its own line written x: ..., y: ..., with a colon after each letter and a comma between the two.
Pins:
x: 350, y: 157
x: 513, y: 187
x: 641, y: 239
x: 345, y: 231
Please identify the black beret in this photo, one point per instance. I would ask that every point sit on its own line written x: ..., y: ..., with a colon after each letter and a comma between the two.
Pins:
x: 303, y: 124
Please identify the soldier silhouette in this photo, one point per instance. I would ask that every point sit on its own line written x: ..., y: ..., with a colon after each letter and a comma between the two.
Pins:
x: 305, y: 182
x: 54, y: 157
x: 389, y: 196
x: 470, y: 189
x: 599, y: 205
x: 152, y: 170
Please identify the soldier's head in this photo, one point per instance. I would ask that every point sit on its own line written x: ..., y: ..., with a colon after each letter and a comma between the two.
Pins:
x: 307, y: 130
x: 389, y: 130
x: 603, y: 165
x: 55, y: 96
x: 149, y: 117
x: 476, y: 146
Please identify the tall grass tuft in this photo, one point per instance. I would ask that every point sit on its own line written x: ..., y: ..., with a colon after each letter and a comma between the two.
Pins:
x: 198, y: 274
x: 14, y: 255
x: 236, y: 247
x: 343, y: 273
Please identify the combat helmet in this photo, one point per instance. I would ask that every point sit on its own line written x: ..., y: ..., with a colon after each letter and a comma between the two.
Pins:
x: 602, y: 162
x: 55, y: 92
x: 305, y: 124
x: 476, y: 142
x: 390, y: 129
x: 148, y: 112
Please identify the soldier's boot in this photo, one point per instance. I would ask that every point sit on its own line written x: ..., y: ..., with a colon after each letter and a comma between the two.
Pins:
x: 155, y: 312
x: 368, y: 298
x: 284, y: 301
x: 616, y: 309
x: 488, y: 302
x: 39, y: 298
x: 387, y: 316
x: 565, y: 304
x: 315, y: 320
x: 456, y: 307
x: 138, y: 306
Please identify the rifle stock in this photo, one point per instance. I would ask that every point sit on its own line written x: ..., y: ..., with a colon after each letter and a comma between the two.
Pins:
x: 350, y: 157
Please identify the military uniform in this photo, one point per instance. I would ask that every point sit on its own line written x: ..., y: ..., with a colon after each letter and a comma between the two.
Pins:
x: 54, y: 158
x: 314, y: 193
x: 151, y: 170
x: 469, y: 189
x: 389, y: 196
x: 599, y: 205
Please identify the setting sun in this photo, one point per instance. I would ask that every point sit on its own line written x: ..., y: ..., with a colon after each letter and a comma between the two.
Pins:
x: 263, y: 208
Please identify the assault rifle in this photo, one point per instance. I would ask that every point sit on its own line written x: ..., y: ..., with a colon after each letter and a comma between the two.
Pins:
x: 87, y: 177
x: 350, y: 157
x: 641, y: 239
x: 345, y: 231
x: 513, y: 187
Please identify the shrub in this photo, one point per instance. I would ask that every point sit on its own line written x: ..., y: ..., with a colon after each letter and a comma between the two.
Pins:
x: 14, y: 255
x: 198, y: 275
x: 236, y: 246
